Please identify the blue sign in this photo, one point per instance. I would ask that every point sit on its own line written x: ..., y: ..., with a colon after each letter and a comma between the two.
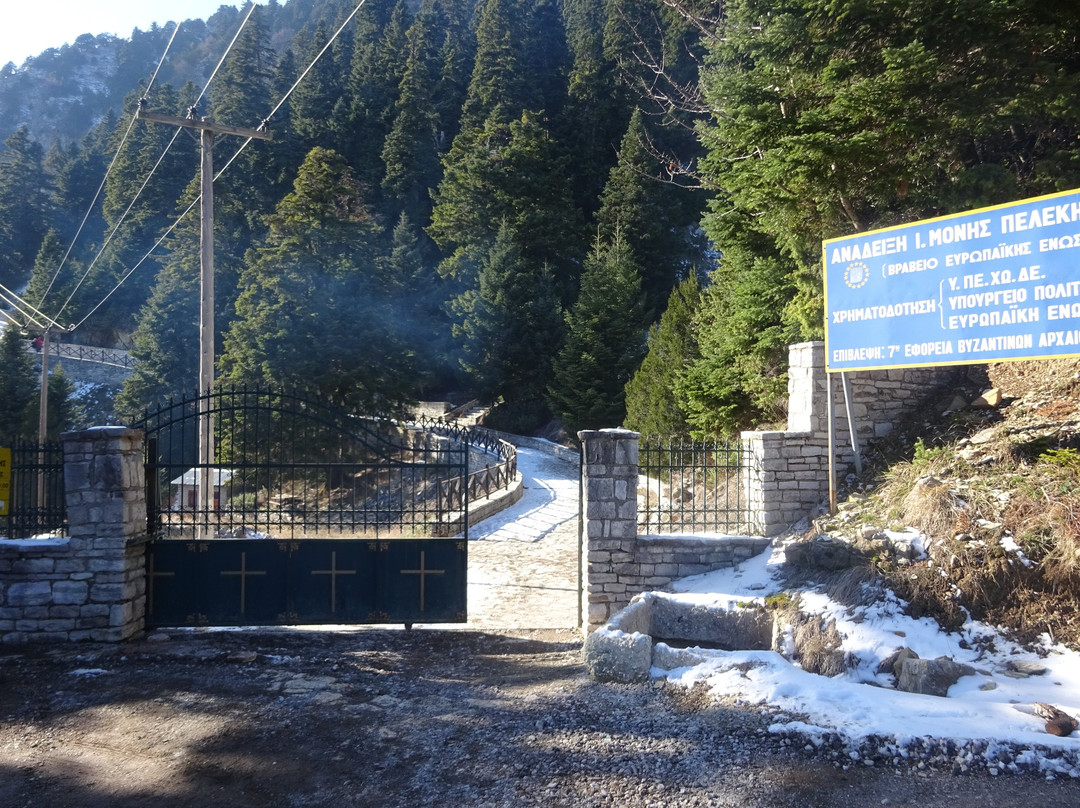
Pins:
x: 990, y: 285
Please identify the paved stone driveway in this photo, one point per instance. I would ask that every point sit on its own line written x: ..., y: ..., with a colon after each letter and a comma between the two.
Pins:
x: 523, y: 562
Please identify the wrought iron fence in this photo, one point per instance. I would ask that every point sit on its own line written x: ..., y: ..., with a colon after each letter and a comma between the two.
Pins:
x: 36, y: 505
x: 690, y: 487
x: 478, y: 484
x: 256, y: 463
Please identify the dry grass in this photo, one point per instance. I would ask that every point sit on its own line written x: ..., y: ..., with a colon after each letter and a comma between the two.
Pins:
x: 931, y: 507
x: 1023, y: 485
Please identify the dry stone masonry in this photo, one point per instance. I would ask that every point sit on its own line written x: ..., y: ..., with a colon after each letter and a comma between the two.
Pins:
x: 786, y: 473
x: 91, y: 584
x: 617, y: 563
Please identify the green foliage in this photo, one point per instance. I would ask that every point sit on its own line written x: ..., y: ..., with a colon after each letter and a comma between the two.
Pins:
x: 18, y: 387
x: 64, y: 410
x: 1065, y: 458
x: 507, y: 172
x: 739, y: 380
x: 24, y: 207
x: 831, y: 118
x: 780, y: 601
x: 646, y: 213
x: 604, y: 341
x: 924, y: 455
x: 509, y: 324
x: 410, y: 151
x: 312, y: 313
x: 652, y: 406
x: 500, y: 86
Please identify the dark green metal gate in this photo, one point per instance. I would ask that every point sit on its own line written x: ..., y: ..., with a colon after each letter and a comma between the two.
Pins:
x: 296, y: 512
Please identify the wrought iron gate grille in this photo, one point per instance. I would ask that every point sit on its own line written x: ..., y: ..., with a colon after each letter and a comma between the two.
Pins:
x: 36, y: 505
x: 269, y: 464
x: 690, y: 487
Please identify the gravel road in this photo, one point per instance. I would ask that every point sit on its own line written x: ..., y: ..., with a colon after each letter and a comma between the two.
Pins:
x: 429, y: 717
x: 497, y: 714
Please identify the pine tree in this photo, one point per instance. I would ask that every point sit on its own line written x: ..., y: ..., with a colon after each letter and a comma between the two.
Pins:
x: 652, y: 404
x: 739, y: 378
x: 510, y: 324
x: 411, y: 149
x: 604, y: 342
x: 64, y: 411
x: 310, y: 313
x: 644, y: 211
x: 18, y: 387
x: 78, y: 180
x: 499, y: 86
x: 166, y: 349
x: 545, y: 57
x: 415, y: 300
x: 44, y: 277
x: 456, y: 58
x: 597, y: 110
x: 24, y: 207
x: 507, y: 173
x: 134, y: 224
x: 240, y: 94
x: 314, y: 98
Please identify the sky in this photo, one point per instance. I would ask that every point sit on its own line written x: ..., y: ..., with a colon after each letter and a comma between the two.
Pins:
x: 28, y: 27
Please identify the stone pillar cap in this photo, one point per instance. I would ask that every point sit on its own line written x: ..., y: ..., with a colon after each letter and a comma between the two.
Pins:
x: 614, y: 432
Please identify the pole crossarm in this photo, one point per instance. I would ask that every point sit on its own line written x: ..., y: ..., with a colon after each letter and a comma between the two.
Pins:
x: 204, y: 124
x: 207, y: 130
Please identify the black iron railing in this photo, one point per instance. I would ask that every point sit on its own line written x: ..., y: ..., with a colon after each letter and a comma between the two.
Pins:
x: 690, y: 487
x: 485, y: 481
x: 36, y: 506
x: 257, y: 463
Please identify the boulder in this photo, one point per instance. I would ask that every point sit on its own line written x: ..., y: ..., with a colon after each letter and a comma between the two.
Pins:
x: 931, y: 677
x: 894, y: 662
x: 989, y: 400
x: 823, y: 554
x: 615, y: 656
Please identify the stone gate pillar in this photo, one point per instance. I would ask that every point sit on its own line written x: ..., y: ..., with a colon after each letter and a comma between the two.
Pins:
x: 609, y: 489
x: 106, y: 505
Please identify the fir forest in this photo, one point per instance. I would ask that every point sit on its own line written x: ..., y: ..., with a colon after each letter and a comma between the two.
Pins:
x: 603, y: 212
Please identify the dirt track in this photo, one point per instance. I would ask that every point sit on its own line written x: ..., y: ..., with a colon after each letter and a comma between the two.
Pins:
x: 389, y: 718
x: 499, y: 714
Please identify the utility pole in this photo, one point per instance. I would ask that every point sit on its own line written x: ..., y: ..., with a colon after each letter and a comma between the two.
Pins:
x: 43, y: 417
x: 207, y: 129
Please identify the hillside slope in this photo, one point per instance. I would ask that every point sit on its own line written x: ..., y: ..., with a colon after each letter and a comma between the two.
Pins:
x: 994, y: 487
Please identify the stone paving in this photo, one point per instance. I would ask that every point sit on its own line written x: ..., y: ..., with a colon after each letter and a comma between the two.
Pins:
x: 523, y: 562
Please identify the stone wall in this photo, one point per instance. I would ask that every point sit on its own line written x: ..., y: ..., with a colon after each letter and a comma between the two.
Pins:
x: 617, y: 563
x: 90, y: 585
x: 84, y: 365
x: 786, y: 473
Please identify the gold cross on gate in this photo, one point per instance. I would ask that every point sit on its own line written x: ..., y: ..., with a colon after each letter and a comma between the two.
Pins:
x: 151, y: 574
x: 243, y: 572
x: 422, y: 572
x: 333, y: 572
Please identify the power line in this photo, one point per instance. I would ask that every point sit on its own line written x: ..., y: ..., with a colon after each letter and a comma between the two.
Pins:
x: 26, y: 310
x: 228, y: 163
x: 108, y: 170
x: 146, y: 181
x: 140, y: 262
x: 120, y: 221
x: 225, y: 55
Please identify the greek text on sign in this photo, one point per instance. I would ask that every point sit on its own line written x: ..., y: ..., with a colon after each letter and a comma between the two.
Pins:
x: 994, y: 284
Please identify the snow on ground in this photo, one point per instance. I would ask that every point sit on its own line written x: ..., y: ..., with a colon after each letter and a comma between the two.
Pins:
x: 861, y: 703
x: 550, y: 499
